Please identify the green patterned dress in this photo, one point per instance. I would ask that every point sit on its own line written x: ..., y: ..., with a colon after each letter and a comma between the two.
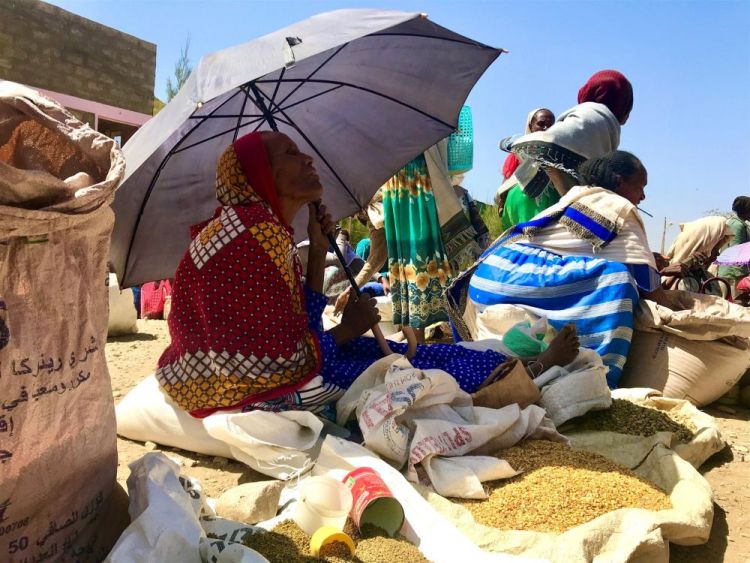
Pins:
x: 418, y: 267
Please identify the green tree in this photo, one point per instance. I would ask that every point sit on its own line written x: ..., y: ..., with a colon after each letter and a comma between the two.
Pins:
x: 491, y: 219
x: 182, y: 70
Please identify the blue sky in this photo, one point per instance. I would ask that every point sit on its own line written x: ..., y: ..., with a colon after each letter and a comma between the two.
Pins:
x: 689, y: 63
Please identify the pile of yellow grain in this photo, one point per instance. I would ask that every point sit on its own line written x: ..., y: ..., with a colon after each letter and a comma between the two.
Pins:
x: 627, y: 417
x: 288, y: 543
x: 560, y: 488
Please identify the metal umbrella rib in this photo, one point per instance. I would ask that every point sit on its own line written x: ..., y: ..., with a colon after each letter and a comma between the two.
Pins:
x: 320, y: 155
x: 151, y: 184
x: 258, y: 118
x: 363, y: 89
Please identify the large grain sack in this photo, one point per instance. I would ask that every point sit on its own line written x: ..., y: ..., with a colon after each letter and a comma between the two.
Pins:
x: 694, y: 316
x: 123, y: 318
x: 699, y: 371
x: 437, y: 538
x: 57, y: 423
x: 696, y: 355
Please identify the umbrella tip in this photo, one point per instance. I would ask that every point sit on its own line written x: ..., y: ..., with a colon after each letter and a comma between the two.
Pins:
x: 423, y: 15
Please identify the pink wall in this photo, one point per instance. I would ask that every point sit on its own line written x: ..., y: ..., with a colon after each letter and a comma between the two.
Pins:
x: 99, y: 110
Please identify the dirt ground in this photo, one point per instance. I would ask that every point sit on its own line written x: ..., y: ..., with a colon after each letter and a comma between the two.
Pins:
x: 133, y: 357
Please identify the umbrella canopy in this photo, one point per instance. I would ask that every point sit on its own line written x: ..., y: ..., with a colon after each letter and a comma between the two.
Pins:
x: 738, y: 255
x: 362, y: 91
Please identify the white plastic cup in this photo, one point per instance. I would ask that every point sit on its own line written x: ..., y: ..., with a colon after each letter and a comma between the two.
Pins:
x: 323, y: 501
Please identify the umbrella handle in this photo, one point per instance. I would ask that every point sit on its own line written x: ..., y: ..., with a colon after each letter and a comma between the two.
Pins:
x: 375, y: 329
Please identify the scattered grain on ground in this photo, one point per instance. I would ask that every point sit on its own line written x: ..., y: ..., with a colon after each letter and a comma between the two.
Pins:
x: 627, y: 417
x: 287, y: 542
x: 560, y: 488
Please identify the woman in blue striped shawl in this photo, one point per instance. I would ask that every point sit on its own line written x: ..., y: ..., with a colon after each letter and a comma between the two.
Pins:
x: 585, y: 260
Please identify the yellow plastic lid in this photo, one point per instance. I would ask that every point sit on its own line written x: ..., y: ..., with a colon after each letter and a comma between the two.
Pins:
x: 326, y: 535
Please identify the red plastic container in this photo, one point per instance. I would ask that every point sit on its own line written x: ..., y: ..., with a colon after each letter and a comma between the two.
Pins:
x: 373, y: 502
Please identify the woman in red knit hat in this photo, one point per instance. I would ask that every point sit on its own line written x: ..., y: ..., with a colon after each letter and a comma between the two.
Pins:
x: 611, y: 88
x: 549, y: 159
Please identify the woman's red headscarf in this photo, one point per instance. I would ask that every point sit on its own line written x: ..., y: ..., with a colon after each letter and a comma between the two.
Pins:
x: 250, y: 152
x: 611, y: 88
x: 239, y: 326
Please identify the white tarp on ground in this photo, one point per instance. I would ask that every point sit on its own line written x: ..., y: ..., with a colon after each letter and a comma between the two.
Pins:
x: 166, y: 523
x: 169, y: 521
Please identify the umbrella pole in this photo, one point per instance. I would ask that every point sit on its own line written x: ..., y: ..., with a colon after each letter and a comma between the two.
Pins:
x: 377, y: 333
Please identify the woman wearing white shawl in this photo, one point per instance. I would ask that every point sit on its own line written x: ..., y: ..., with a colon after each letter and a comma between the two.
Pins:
x: 589, y: 130
x: 585, y: 261
x: 698, y: 244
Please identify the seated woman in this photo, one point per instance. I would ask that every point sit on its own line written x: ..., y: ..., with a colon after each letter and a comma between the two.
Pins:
x: 694, y: 250
x: 585, y: 260
x: 246, y: 334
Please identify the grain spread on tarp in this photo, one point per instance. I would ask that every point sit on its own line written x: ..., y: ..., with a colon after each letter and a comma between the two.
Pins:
x: 627, y: 417
x: 288, y: 543
x: 560, y: 488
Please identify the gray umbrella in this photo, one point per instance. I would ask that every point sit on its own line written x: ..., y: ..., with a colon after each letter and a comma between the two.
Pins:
x: 362, y: 91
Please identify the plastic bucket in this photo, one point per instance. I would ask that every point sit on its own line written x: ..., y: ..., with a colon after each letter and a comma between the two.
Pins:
x: 374, y: 504
x: 323, y: 501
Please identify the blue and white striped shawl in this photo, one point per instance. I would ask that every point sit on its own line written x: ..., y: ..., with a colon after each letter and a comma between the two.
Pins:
x: 587, y: 221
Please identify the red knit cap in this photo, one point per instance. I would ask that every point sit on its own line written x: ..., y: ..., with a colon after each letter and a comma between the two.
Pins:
x: 610, y: 88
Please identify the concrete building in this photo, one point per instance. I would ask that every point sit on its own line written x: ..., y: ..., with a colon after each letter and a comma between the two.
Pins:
x: 104, y: 76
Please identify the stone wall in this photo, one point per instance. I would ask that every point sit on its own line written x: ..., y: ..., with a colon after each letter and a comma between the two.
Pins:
x: 45, y: 46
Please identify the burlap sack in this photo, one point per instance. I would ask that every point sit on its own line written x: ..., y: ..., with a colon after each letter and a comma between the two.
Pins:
x: 694, y: 317
x: 57, y: 426
x: 695, y: 354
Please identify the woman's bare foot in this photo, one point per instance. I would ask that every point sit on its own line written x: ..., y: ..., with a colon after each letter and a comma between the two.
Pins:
x: 562, y: 350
